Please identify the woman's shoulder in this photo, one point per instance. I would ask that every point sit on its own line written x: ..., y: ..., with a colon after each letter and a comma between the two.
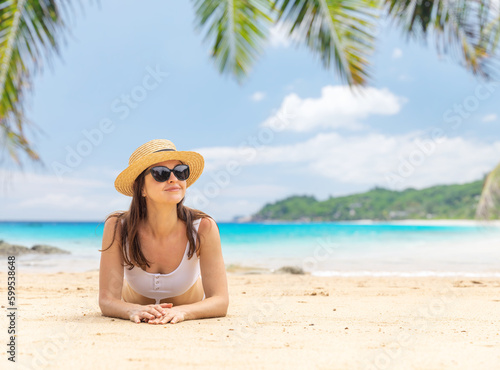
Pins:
x: 112, y: 231
x: 210, y: 236
x: 207, y: 225
x: 114, y: 220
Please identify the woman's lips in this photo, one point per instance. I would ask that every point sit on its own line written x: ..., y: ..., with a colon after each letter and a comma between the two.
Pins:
x: 173, y: 189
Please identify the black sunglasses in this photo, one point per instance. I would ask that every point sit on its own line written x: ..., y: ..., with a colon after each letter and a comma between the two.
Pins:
x: 162, y: 173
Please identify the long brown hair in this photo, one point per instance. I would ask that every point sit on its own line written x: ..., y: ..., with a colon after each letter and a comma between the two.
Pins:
x: 138, y: 211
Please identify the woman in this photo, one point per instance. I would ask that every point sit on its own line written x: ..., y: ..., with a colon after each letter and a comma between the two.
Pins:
x: 175, y: 270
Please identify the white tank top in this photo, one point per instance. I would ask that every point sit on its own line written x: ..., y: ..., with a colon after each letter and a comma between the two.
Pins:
x: 158, y: 286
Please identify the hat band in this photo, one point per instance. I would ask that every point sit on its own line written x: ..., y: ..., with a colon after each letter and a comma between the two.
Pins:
x: 164, y: 150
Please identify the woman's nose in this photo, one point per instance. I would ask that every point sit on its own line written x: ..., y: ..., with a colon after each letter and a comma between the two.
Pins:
x: 172, y: 177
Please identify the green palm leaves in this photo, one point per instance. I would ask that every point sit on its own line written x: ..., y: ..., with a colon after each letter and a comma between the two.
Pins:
x: 28, y: 32
x: 341, y: 33
x: 468, y: 30
x: 237, y: 30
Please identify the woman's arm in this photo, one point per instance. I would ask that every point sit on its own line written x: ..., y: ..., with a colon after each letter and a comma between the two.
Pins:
x: 213, y: 274
x: 111, y: 281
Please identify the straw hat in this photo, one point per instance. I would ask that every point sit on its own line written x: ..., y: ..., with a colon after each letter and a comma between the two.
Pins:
x: 152, y: 152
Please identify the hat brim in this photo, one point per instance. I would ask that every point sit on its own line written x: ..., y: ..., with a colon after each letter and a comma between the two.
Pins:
x: 125, y: 180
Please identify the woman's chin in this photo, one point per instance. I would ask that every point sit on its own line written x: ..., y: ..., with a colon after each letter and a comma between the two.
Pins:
x: 173, y: 196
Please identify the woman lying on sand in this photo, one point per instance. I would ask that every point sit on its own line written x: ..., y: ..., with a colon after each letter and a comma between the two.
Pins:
x: 175, y: 270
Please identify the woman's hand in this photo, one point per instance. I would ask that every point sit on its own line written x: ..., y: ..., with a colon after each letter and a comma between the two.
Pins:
x: 148, y: 312
x: 172, y: 315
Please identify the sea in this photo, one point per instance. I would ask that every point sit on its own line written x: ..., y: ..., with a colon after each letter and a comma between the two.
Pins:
x: 321, y: 249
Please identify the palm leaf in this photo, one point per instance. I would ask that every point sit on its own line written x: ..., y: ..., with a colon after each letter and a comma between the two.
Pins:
x: 490, y: 32
x: 489, y: 203
x: 237, y: 30
x: 465, y: 29
x: 341, y: 32
x: 29, y: 32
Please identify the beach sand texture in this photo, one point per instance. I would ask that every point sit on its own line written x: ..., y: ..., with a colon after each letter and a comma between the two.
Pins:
x: 274, y: 321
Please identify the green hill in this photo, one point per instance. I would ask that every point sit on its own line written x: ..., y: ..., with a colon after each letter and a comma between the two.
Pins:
x: 436, y: 202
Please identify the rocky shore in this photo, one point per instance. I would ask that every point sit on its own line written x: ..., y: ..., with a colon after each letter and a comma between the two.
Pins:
x: 7, y: 249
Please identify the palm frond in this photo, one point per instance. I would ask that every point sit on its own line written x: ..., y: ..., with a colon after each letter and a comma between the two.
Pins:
x: 489, y: 203
x: 467, y: 30
x: 237, y: 30
x: 29, y: 33
x: 341, y: 32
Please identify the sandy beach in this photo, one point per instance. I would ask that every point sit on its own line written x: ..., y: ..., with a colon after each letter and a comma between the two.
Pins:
x: 274, y: 321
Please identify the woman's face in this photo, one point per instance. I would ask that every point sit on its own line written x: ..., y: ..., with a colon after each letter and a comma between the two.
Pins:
x: 170, y: 191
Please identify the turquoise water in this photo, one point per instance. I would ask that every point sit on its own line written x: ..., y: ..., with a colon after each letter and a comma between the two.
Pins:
x: 320, y: 248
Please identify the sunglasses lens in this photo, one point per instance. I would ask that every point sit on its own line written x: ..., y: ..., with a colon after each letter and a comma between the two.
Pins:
x: 181, y: 171
x: 160, y: 174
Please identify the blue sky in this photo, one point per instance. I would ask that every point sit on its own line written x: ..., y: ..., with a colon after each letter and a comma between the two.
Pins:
x: 424, y: 120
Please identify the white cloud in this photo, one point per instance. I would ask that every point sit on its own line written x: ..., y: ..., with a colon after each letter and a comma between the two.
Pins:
x: 397, y: 53
x: 235, y: 199
x: 327, y: 163
x: 278, y: 36
x: 217, y: 157
x: 57, y: 200
x: 490, y: 117
x: 34, y: 196
x: 402, y: 161
x: 391, y: 161
x: 337, y: 107
x: 30, y: 182
x: 255, y: 191
x: 258, y: 96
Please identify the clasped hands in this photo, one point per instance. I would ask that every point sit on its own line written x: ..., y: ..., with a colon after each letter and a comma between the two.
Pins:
x: 158, y: 314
